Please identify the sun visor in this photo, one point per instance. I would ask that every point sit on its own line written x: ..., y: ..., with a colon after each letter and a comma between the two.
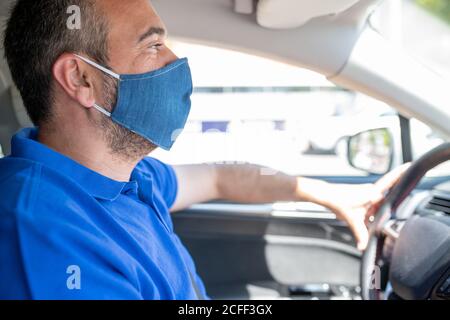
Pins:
x: 287, y: 14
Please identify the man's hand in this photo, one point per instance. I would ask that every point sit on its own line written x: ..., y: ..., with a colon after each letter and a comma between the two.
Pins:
x: 355, y: 204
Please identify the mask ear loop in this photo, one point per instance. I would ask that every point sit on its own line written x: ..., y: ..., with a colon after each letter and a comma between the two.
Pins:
x: 105, y: 70
x: 101, y: 68
x: 98, y: 108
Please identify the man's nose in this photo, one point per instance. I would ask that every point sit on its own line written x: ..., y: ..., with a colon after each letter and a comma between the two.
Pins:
x: 170, y: 57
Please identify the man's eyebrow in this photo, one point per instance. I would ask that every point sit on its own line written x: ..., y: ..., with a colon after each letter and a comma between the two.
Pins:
x: 152, y: 31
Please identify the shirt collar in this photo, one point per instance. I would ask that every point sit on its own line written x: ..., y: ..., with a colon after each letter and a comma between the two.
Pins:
x: 25, y: 145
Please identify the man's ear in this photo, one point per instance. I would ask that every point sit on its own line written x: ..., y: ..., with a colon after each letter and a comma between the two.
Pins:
x: 75, y: 78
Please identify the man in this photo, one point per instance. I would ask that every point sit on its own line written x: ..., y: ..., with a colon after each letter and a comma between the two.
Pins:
x: 84, y: 213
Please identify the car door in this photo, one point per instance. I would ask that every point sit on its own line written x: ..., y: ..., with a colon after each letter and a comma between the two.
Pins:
x: 270, y: 250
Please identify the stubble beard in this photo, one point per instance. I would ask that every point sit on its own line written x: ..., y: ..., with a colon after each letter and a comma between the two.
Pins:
x: 122, y: 142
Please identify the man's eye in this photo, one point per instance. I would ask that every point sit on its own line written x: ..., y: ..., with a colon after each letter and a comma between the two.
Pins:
x: 156, y: 46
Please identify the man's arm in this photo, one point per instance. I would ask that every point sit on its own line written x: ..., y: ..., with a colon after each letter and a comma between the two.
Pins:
x: 251, y: 184
x: 237, y: 183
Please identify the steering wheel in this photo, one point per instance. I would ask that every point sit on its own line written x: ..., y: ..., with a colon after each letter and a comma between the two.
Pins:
x: 387, y: 231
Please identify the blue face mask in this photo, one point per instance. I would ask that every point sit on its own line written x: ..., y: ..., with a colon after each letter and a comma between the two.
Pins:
x: 154, y: 105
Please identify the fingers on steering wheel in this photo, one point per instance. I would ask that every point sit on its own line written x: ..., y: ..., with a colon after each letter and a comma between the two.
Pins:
x: 390, y: 179
x: 383, y: 185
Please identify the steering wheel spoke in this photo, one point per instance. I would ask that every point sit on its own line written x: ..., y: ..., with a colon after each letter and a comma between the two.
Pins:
x: 392, y: 228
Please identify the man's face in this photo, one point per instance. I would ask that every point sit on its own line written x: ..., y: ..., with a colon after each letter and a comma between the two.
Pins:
x: 137, y: 45
x: 136, y: 37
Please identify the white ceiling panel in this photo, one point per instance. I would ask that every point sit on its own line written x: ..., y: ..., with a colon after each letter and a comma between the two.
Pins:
x: 285, y: 14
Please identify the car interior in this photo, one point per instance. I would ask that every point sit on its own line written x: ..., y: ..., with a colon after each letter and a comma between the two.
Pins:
x: 300, y: 250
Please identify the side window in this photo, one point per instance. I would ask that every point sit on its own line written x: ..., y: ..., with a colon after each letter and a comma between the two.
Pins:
x: 423, y: 139
x: 1, y: 152
x: 249, y: 109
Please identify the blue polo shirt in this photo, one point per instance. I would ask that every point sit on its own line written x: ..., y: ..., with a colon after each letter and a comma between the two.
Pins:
x: 67, y: 232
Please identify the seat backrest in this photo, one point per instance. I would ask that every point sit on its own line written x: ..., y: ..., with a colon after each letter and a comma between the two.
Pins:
x: 13, y: 115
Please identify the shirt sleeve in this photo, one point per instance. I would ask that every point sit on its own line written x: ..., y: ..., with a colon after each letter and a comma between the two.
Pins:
x: 164, y: 178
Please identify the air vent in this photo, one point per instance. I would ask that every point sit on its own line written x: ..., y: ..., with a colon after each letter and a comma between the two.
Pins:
x: 438, y: 203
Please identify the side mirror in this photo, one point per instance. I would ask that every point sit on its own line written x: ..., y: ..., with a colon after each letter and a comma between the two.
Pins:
x: 371, y: 151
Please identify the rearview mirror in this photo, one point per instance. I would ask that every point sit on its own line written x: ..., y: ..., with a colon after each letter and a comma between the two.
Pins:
x: 371, y: 151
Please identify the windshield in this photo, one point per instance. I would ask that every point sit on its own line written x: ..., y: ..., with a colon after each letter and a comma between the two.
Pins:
x: 420, y: 27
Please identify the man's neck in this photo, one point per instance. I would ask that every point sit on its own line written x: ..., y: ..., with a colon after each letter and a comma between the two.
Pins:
x: 91, y: 153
